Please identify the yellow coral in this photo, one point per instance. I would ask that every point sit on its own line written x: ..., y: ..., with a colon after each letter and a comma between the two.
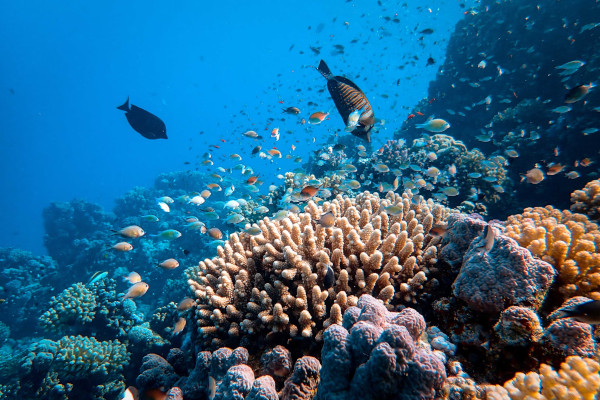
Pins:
x: 587, y: 200
x: 568, y: 241
x: 275, y: 281
x: 577, y: 379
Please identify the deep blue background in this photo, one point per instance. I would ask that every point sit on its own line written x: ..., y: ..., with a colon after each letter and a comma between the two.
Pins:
x: 200, y: 66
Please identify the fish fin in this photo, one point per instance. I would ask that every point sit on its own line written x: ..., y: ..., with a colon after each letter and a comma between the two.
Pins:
x: 324, y: 70
x: 125, y: 106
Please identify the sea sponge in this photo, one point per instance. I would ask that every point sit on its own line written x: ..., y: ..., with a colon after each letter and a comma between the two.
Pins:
x: 274, y: 283
x: 74, y: 305
x: 587, y: 200
x: 578, y: 378
x: 569, y: 242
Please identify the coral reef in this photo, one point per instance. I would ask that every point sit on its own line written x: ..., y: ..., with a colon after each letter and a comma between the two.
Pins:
x: 570, y: 242
x: 378, y: 350
x: 275, y: 282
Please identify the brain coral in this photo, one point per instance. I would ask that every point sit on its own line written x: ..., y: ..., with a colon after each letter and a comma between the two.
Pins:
x: 276, y: 282
x: 569, y: 242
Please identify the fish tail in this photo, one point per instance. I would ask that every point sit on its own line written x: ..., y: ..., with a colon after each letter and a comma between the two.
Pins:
x: 125, y: 106
x: 324, y: 70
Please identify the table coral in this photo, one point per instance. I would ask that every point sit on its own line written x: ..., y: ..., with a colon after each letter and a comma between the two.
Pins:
x: 570, y: 242
x: 587, y: 200
x: 504, y: 276
x: 274, y: 282
x: 378, y: 352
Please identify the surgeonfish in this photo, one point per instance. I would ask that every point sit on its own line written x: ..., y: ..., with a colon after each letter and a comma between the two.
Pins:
x: 349, y: 98
x: 587, y: 312
x: 143, y: 122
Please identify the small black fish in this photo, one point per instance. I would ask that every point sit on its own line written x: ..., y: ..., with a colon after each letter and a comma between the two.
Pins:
x: 146, y: 124
x: 430, y: 61
x: 291, y: 110
x: 349, y: 98
x: 256, y: 149
x: 339, y: 147
x: 588, y: 312
x: 329, y: 279
x: 427, y: 31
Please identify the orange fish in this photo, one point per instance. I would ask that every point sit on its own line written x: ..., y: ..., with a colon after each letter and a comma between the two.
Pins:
x: 274, y: 153
x: 169, y: 263
x: 554, y: 169
x: 410, y: 116
x: 123, y: 246
x: 179, y: 325
x: 252, y: 180
x: 185, y: 304
x: 132, y: 231
x: 275, y: 133
x: 419, y: 113
x: 586, y: 162
x: 215, y: 233
x: 132, y: 278
x: 214, y: 186
x: 317, y: 117
x: 137, y: 290
x: 309, y: 191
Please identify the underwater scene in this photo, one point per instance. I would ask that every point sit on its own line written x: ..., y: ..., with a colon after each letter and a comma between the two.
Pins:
x: 362, y: 200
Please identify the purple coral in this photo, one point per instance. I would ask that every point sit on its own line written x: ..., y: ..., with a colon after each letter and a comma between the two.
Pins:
x: 304, y: 381
x: 277, y: 362
x: 460, y: 232
x: 507, y: 275
x: 379, y: 353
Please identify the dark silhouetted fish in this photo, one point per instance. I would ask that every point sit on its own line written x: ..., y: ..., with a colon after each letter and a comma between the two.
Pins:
x: 146, y: 124
x: 349, y: 98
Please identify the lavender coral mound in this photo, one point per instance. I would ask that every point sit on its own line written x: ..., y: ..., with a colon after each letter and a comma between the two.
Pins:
x: 378, y: 357
x: 507, y: 275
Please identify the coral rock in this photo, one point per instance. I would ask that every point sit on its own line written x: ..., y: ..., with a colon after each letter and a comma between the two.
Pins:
x: 507, y: 275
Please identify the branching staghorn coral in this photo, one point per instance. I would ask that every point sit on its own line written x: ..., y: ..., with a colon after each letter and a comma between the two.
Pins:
x: 570, y: 242
x: 275, y: 282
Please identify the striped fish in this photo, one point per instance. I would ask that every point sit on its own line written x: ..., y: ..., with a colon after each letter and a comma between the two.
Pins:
x: 349, y: 98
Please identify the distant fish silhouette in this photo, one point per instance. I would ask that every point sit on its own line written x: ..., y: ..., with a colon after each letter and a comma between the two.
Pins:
x: 349, y: 98
x: 146, y: 124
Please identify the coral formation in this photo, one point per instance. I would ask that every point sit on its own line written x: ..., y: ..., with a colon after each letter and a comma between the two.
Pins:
x: 587, y: 200
x: 76, y: 304
x: 577, y: 378
x: 379, y: 350
x: 570, y: 242
x: 74, y: 367
x: 507, y: 275
x: 275, y: 282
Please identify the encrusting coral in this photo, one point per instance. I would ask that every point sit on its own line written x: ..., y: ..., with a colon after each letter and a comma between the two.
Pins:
x: 277, y: 282
x: 587, y: 200
x: 570, y: 242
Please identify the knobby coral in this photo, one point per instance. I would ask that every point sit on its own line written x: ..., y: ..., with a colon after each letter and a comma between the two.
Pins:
x: 277, y: 282
x: 570, y: 242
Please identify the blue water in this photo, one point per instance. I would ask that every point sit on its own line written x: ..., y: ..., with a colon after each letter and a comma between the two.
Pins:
x: 217, y: 67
